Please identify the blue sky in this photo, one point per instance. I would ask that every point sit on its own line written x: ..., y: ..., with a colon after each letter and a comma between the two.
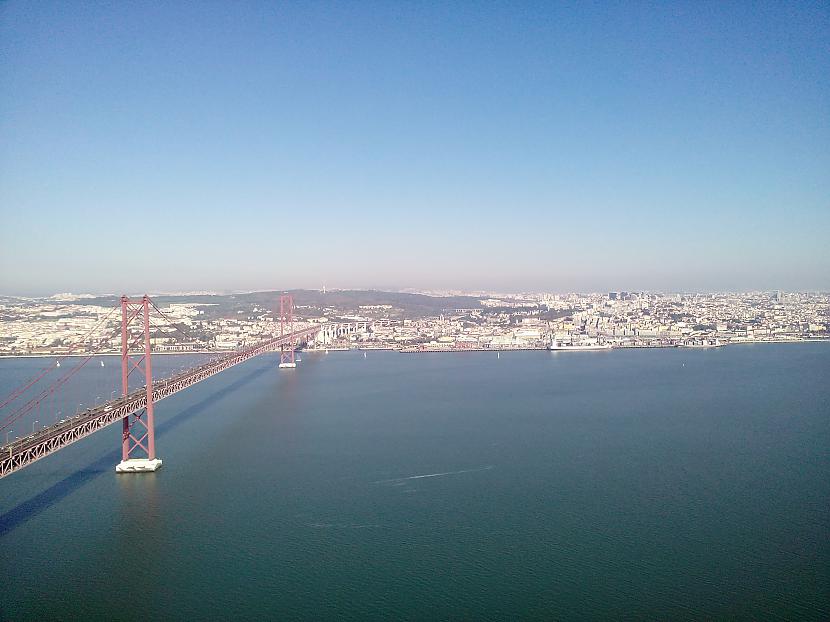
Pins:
x: 509, y: 146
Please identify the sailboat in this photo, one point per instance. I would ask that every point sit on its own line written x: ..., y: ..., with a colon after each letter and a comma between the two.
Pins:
x: 364, y: 355
x: 58, y: 364
x: 102, y: 363
x: 498, y: 355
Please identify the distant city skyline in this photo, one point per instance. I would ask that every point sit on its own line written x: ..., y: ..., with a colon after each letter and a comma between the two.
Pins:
x: 515, y: 147
x: 437, y: 292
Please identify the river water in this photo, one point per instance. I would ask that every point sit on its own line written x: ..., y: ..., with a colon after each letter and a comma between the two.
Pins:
x: 670, y: 484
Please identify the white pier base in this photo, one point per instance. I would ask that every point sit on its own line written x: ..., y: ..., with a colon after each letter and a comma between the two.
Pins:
x: 288, y: 365
x: 138, y: 465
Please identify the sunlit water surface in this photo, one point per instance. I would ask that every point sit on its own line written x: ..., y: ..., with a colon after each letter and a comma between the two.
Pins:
x: 670, y: 484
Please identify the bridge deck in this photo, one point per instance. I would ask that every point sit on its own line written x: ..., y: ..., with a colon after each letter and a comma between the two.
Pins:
x: 22, y: 452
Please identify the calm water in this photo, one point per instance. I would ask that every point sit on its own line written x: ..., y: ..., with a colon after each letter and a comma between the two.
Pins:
x: 630, y: 484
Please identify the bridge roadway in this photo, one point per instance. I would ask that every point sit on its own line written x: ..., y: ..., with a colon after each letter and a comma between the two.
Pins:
x: 24, y: 451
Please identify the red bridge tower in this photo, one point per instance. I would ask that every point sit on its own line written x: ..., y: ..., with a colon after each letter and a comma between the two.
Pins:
x: 287, y: 327
x: 138, y: 440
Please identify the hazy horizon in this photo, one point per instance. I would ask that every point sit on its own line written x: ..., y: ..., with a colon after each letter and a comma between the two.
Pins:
x: 438, y: 292
x: 503, y: 147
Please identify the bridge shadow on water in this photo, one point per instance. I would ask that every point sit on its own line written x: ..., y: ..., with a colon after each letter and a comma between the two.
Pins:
x: 105, y: 463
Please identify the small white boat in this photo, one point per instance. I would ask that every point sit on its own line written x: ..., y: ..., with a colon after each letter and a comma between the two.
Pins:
x: 580, y: 347
x: 58, y: 364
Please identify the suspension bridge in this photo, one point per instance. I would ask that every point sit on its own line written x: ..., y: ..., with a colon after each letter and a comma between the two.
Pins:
x: 134, y: 406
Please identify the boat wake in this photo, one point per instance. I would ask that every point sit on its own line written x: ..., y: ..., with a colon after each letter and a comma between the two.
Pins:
x: 398, y: 480
x: 344, y: 525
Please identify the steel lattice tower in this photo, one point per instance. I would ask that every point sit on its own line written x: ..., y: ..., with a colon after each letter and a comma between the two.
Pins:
x: 138, y: 442
x: 287, y: 328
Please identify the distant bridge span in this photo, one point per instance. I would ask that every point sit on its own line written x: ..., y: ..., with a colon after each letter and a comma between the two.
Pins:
x: 22, y: 452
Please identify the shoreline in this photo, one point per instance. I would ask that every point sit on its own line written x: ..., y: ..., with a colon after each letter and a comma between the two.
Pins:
x: 60, y: 356
x: 446, y: 351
